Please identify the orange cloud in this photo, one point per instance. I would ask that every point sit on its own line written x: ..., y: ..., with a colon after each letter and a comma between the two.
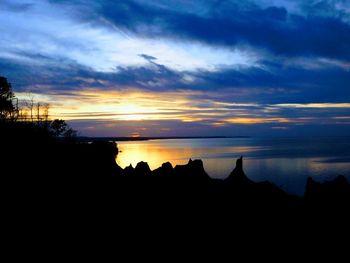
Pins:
x: 181, y: 105
x: 256, y: 120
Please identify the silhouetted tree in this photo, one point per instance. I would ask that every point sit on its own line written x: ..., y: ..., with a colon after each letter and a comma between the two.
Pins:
x: 7, y: 109
x: 33, y: 116
x: 42, y: 112
x: 45, y: 111
x: 58, y: 127
x: 30, y: 105
x: 38, y: 106
x: 70, y: 135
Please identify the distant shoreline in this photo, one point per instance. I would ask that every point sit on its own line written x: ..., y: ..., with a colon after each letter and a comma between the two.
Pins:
x: 120, y: 139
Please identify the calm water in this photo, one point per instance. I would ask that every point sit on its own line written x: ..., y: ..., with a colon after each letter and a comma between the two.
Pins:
x: 287, y: 162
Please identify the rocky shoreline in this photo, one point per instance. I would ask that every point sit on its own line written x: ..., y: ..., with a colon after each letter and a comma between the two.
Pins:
x: 79, y: 185
x: 69, y: 164
x: 81, y: 174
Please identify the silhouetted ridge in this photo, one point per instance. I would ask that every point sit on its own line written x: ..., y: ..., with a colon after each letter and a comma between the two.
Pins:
x: 193, y: 170
x: 142, y: 169
x: 66, y: 172
x: 129, y: 171
x: 165, y: 170
x: 335, y: 190
x: 237, y: 176
x: 240, y: 185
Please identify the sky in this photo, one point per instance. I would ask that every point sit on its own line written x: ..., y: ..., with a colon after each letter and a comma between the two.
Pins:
x: 183, y: 68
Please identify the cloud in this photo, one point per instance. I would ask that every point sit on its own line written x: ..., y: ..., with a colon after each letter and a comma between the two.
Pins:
x: 271, y: 28
x: 15, y: 6
x: 202, y: 107
x: 148, y: 57
x: 59, y: 31
x: 272, y: 82
x: 271, y: 63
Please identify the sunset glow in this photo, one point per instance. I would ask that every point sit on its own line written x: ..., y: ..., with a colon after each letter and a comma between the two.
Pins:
x: 167, y: 68
x: 182, y: 106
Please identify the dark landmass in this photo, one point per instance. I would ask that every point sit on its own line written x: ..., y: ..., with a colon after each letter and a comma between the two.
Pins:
x: 56, y: 184
x: 40, y: 160
x: 119, y: 139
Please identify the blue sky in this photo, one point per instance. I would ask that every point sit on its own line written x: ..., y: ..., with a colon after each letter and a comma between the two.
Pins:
x: 161, y: 68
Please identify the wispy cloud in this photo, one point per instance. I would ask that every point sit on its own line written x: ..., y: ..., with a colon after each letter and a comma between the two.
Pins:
x: 314, y: 105
x: 185, y: 106
x: 206, y: 66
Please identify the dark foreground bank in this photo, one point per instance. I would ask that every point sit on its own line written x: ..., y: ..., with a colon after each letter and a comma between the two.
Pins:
x: 63, y: 189
x: 45, y: 166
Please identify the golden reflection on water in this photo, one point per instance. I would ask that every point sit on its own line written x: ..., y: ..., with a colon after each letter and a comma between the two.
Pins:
x: 157, y: 152
x: 132, y: 153
x: 289, y: 173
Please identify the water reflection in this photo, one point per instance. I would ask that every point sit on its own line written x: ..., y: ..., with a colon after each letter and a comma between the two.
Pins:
x: 156, y: 152
x: 285, y: 162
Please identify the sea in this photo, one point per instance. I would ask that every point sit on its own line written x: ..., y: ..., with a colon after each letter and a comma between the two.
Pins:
x: 286, y: 162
